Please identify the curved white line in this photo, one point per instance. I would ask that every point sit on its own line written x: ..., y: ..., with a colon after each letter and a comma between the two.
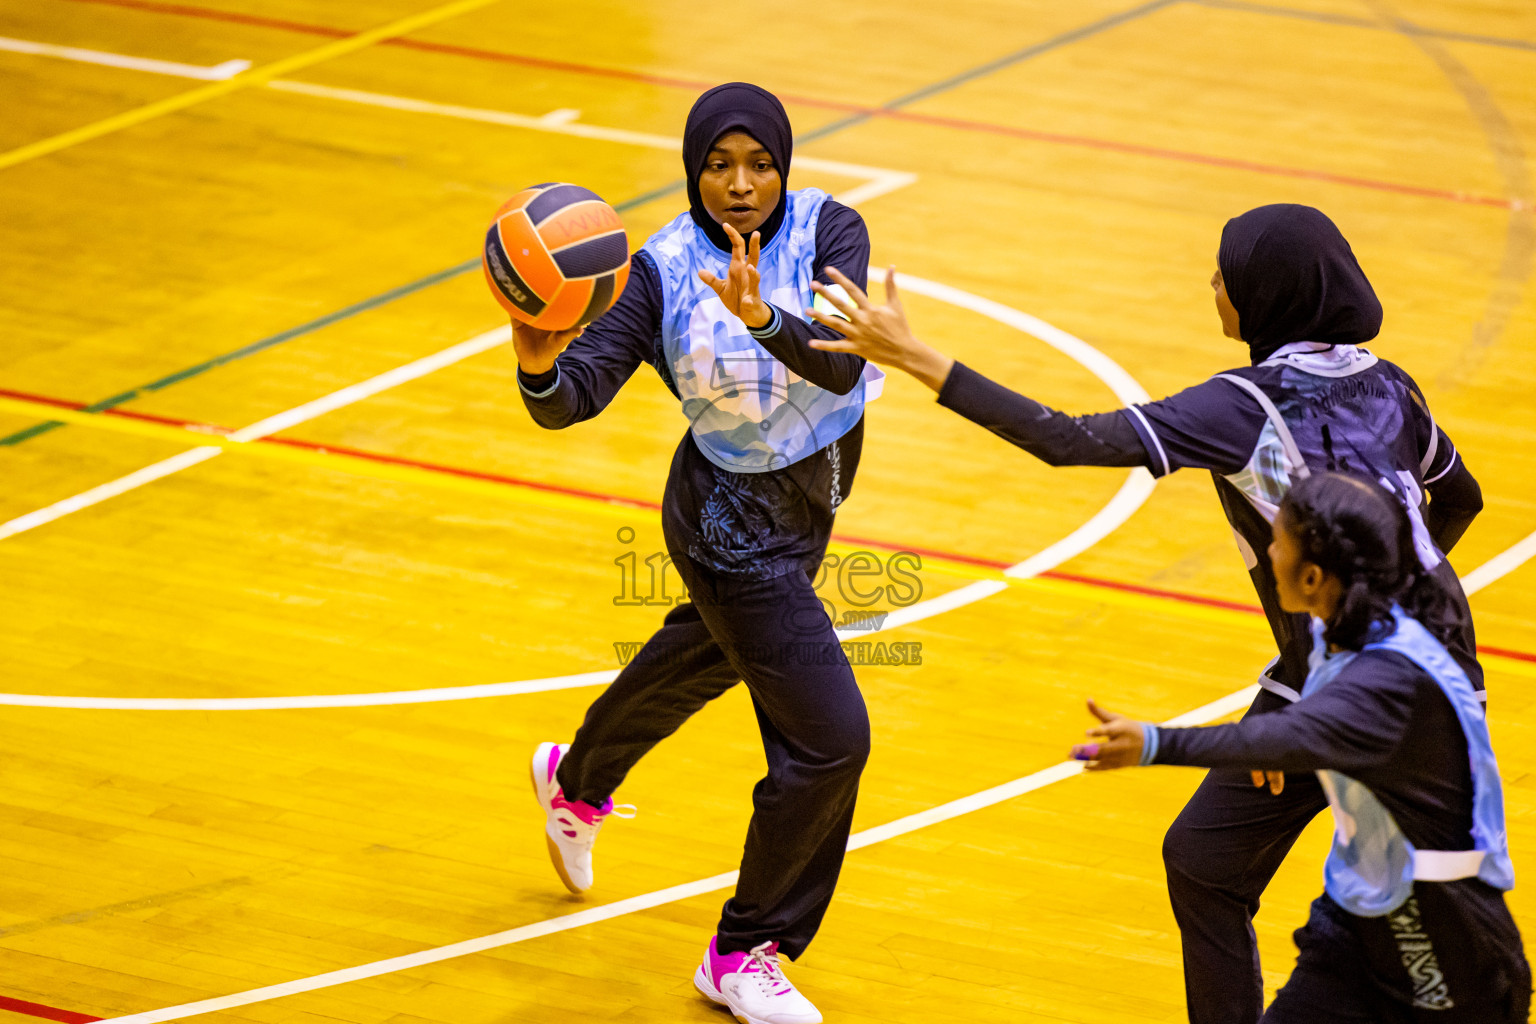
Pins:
x: 1135, y: 491
x: 1095, y: 362
x: 593, y: 915
x: 660, y: 897
x: 1220, y: 708
x: 1138, y: 485
x: 1130, y: 497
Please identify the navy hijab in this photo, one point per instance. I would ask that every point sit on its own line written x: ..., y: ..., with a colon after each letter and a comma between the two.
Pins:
x: 736, y: 107
x: 1292, y: 277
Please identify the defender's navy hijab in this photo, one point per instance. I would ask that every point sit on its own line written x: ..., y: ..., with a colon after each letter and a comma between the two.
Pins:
x: 736, y: 107
x: 1292, y: 277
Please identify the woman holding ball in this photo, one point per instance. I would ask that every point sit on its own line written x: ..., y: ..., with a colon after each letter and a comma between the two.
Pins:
x: 772, y: 446
x: 1412, y: 924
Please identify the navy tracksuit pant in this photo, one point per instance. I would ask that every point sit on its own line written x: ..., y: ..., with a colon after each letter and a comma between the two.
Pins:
x: 1228, y: 842
x: 1451, y: 955
x: 1220, y: 853
x: 775, y: 635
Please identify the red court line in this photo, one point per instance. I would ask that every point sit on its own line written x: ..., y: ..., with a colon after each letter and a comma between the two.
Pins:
x: 234, y: 17
x: 215, y: 429
x: 475, y: 53
x: 961, y: 124
x: 639, y: 503
x: 1504, y: 652
x: 45, y: 1012
x: 472, y: 474
x: 1158, y: 152
x: 1169, y: 595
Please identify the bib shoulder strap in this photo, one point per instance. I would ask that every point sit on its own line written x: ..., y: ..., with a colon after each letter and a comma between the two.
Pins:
x: 1292, y: 453
x: 1434, y: 443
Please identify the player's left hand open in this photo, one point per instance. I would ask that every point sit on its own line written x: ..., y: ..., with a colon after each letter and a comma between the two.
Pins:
x: 1118, y: 742
x: 878, y: 333
x: 738, y: 290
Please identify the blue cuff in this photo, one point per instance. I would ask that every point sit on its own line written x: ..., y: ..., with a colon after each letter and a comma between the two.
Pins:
x: 769, y: 329
x: 539, y: 394
x: 1149, y: 743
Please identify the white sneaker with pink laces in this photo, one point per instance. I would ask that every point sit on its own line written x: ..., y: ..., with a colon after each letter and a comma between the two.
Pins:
x: 753, y: 987
x: 570, y: 826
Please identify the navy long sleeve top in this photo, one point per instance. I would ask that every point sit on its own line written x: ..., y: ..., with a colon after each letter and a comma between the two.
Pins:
x: 1209, y: 426
x: 1216, y: 426
x: 756, y: 525
x: 1383, y: 721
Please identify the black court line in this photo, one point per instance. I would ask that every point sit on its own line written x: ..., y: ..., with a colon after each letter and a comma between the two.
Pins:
x: 410, y: 288
x: 1354, y: 21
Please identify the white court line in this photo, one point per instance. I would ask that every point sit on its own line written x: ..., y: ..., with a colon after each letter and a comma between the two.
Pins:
x: 619, y: 908
x: 322, y: 700
x: 1138, y: 485
x: 1500, y: 565
x: 880, y: 180
x: 1136, y: 489
x: 1216, y: 709
x: 217, y: 73
x: 634, y: 904
x: 1130, y: 496
x: 111, y: 489
x: 260, y: 429
x: 1220, y: 708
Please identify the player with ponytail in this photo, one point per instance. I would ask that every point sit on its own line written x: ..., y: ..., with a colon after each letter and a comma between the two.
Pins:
x: 1412, y: 924
x: 1359, y: 534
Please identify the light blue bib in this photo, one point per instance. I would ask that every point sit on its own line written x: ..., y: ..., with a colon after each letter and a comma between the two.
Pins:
x: 747, y: 411
x: 1371, y: 869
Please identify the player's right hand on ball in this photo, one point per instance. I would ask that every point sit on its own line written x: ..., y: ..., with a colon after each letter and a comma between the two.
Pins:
x: 1118, y: 741
x: 536, y: 349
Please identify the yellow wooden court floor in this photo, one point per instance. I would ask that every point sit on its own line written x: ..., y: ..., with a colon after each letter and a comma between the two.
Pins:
x: 292, y: 585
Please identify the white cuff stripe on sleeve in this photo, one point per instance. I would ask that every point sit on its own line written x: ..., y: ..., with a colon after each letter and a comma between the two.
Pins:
x: 1156, y: 443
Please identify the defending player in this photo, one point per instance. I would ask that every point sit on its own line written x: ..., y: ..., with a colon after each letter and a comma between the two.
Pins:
x: 1288, y: 285
x: 775, y: 430
x: 1412, y: 925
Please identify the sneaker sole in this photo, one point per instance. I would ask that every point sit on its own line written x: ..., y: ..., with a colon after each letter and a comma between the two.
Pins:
x: 708, y: 990
x: 554, y: 851
x: 711, y: 993
x: 702, y: 983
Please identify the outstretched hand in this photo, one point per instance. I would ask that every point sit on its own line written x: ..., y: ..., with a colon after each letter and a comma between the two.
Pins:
x: 1119, y: 741
x: 738, y: 290
x: 536, y: 349
x: 878, y: 333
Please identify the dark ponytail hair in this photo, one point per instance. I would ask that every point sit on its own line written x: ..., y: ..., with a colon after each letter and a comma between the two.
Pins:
x: 1355, y: 530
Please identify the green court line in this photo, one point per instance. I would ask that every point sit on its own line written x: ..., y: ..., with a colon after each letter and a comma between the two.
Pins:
x: 384, y: 298
x: 1055, y: 42
x: 251, y: 349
